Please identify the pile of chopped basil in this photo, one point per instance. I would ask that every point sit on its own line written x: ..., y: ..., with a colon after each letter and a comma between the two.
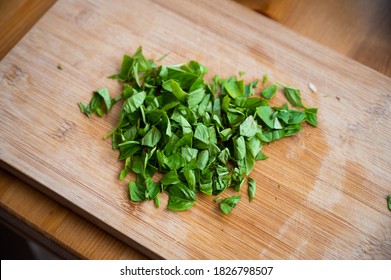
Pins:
x: 203, y: 137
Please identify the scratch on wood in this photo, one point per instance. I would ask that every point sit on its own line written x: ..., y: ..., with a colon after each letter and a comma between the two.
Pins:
x: 63, y: 129
x: 12, y: 76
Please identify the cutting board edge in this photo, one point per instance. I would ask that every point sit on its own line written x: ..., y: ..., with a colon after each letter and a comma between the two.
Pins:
x: 78, y: 210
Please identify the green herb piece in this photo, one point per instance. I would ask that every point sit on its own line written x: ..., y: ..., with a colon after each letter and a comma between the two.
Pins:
x: 175, y: 161
x: 249, y: 88
x: 227, y: 204
x: 163, y: 57
x: 269, y: 91
x: 265, y: 79
x: 234, y: 88
x: 249, y: 127
x: 180, y: 197
x: 267, y: 115
x: 152, y: 189
x: 293, y: 96
x: 261, y: 156
x: 389, y: 202
x: 133, y: 103
x: 252, y: 185
x: 177, y: 90
x: 170, y: 178
x: 100, y: 102
x: 200, y: 136
x: 59, y: 67
x: 137, y: 191
x: 202, y: 160
x: 151, y: 138
x: 311, y: 116
x: 239, y: 148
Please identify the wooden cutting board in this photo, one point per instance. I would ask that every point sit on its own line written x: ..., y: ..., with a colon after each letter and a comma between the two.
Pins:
x: 320, y: 195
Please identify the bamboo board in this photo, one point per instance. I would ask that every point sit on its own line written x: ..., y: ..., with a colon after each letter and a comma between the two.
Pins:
x: 320, y: 195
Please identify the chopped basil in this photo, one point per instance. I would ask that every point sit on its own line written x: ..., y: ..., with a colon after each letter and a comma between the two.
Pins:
x: 181, y: 197
x: 269, y: 91
x: 227, y: 204
x: 202, y: 137
x: 100, y: 102
x: 252, y: 185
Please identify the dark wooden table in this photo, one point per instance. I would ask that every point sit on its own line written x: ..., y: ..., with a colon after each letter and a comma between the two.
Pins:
x: 358, y: 29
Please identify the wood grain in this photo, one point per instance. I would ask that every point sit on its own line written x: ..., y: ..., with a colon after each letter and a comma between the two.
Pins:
x: 27, y: 210
x: 64, y: 232
x: 306, y: 217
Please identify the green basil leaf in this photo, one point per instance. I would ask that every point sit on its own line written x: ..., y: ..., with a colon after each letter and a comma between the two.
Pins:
x: 225, y: 104
x: 269, y: 91
x: 180, y: 197
x: 202, y: 159
x: 252, y: 185
x: 265, y: 79
x: 254, y: 145
x: 222, y: 180
x: 234, y: 88
x: 235, y: 117
x: 205, y: 105
x: 178, y: 91
x: 249, y: 127
x: 249, y: 88
x: 292, y: 129
x: 136, y: 191
x: 170, y: 178
x: 134, y: 102
x: 266, y: 115
x: 104, y: 93
x: 128, y: 148
x: 151, y: 138
x: 185, y: 140
x: 246, y: 164
x: 229, y: 203
x: 311, y: 116
x: 175, y: 161
x: 293, y: 96
x: 195, y: 97
x: 283, y: 115
x: 100, y: 102
x: 206, y: 188
x: 152, y: 189
x: 126, y: 68
x: 239, y: 148
x: 224, y: 156
x: 190, y: 178
x: 123, y: 173
x: 156, y: 200
x: 165, y: 121
x: 237, y: 179
x: 226, y: 134
x: 261, y: 156
x: 202, y: 134
x: 189, y: 153
x: 296, y: 117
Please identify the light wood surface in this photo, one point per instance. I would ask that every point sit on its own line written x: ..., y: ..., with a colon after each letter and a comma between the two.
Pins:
x: 29, y: 211
x: 377, y: 253
x: 74, y: 236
